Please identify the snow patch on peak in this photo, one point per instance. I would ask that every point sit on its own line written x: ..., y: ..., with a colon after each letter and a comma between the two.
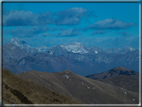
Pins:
x: 128, y: 48
x: 62, y: 46
x: 20, y: 43
x: 131, y: 49
x: 75, y: 47
x: 42, y: 48
x: 96, y: 52
x: 15, y: 40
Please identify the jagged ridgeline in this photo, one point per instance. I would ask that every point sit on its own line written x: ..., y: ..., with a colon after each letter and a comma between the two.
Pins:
x: 18, y: 57
x: 19, y: 91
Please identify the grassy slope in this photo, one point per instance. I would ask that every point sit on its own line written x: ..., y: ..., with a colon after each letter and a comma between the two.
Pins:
x: 73, y: 87
x: 124, y: 81
x: 17, y: 91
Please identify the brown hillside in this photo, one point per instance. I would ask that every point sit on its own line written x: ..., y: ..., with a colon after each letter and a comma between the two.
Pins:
x: 19, y: 91
x: 121, y: 68
x: 83, y: 89
x: 114, y: 72
x: 124, y: 81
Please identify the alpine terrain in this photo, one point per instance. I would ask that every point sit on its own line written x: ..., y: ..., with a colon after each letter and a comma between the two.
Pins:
x: 18, y: 57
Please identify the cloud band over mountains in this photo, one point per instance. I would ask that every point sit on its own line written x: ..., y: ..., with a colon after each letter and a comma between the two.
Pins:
x: 27, y: 32
x: 70, y: 16
x: 22, y: 18
x: 67, y: 17
x: 111, y: 24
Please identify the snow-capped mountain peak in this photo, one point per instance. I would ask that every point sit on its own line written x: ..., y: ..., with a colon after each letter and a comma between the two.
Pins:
x: 128, y: 48
x: 15, y: 41
x: 23, y: 45
x: 42, y: 48
x: 75, y: 47
x: 20, y: 43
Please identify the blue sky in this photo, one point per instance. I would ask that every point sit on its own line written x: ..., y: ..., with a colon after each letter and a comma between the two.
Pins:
x: 106, y: 25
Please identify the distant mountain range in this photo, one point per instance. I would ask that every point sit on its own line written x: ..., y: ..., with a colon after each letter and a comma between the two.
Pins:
x: 18, y: 57
x: 86, y: 90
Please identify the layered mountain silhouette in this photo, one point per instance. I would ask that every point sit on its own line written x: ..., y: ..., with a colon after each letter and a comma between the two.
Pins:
x: 18, y: 57
x: 82, y: 89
